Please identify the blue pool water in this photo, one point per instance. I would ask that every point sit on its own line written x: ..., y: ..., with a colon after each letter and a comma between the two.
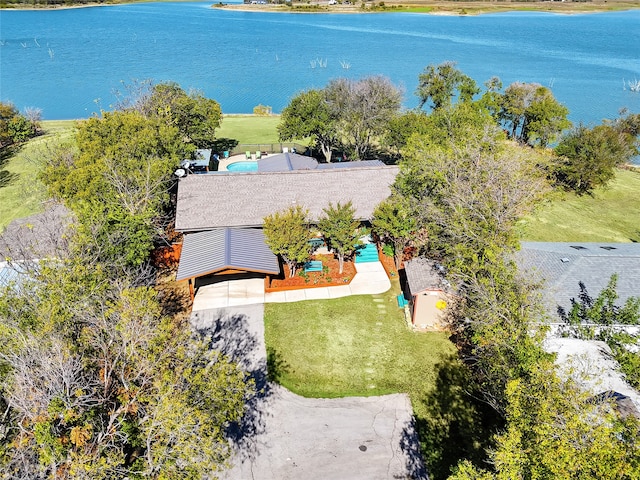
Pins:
x: 243, y: 167
x: 69, y: 62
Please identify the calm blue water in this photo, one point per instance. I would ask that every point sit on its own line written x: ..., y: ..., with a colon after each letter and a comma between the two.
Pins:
x: 68, y: 62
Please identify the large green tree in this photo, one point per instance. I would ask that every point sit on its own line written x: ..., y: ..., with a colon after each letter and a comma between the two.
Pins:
x: 287, y: 234
x: 341, y: 230
x: 587, y: 157
x: 116, y: 178
x: 439, y: 84
x: 196, y: 116
x: 364, y: 109
x: 308, y: 115
x: 554, y: 430
x: 97, y: 383
x: 469, y: 187
x: 531, y: 114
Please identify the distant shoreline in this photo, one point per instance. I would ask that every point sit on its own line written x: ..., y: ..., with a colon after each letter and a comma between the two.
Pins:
x: 428, y: 7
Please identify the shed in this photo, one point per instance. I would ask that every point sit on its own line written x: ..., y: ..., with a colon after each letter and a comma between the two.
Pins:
x: 427, y: 291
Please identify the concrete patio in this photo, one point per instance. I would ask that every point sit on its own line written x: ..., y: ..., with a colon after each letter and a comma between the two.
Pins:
x: 370, y: 279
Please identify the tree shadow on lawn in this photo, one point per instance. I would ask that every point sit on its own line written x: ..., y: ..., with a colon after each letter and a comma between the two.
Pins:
x: 6, y: 153
x: 230, y: 334
x: 451, y: 424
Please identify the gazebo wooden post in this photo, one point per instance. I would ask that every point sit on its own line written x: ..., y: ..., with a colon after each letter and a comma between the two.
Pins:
x: 191, y: 290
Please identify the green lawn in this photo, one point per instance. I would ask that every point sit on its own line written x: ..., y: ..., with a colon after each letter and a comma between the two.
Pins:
x: 350, y: 346
x: 248, y: 129
x: 21, y: 194
x: 612, y: 214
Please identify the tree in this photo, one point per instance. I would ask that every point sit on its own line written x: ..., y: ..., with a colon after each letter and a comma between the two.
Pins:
x: 117, y: 183
x: 554, y: 430
x: 15, y: 127
x: 287, y: 234
x: 394, y: 222
x: 587, y: 157
x: 403, y: 126
x: 469, y: 196
x: 364, y: 109
x: 308, y: 115
x: 341, y: 230
x: 440, y: 83
x: 601, y: 318
x: 98, y: 384
x: 195, y: 116
x: 531, y: 114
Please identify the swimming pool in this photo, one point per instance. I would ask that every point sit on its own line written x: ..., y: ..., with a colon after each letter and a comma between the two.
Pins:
x: 243, y: 167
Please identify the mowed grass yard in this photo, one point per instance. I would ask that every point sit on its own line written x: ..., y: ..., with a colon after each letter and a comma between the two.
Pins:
x: 611, y: 214
x: 361, y: 346
x: 351, y: 346
x: 249, y: 129
x: 21, y: 193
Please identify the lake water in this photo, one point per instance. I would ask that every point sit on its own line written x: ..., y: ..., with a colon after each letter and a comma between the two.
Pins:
x: 68, y: 62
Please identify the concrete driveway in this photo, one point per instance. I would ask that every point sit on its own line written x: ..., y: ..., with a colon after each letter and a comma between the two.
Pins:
x: 285, y: 436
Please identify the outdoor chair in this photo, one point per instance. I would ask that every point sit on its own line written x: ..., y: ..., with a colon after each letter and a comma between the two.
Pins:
x: 258, y: 155
x: 313, y: 266
x: 248, y: 155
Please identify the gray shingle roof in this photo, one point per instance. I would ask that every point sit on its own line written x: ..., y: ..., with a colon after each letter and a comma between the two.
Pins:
x: 359, y: 164
x: 244, y: 199
x: 284, y: 162
x: 562, y: 266
x: 422, y: 274
x: 225, y: 248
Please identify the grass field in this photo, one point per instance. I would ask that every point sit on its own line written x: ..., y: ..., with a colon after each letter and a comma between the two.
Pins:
x: 612, y: 214
x: 351, y: 346
x: 21, y: 193
x: 249, y: 129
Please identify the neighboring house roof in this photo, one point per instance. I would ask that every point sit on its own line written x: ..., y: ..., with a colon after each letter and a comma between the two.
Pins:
x: 563, y: 265
x: 225, y: 249
x: 423, y: 274
x: 591, y: 365
x: 244, y: 199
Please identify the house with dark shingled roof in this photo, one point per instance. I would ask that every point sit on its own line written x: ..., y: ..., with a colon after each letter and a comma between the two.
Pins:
x: 235, y: 202
x: 561, y: 266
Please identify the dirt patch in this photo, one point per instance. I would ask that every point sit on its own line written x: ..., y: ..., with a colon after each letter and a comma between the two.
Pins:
x: 328, y: 277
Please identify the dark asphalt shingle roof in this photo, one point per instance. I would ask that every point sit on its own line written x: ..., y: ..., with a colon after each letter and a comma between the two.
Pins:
x: 422, y: 274
x: 244, y: 199
x: 225, y: 248
x: 562, y: 266
x: 285, y: 162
